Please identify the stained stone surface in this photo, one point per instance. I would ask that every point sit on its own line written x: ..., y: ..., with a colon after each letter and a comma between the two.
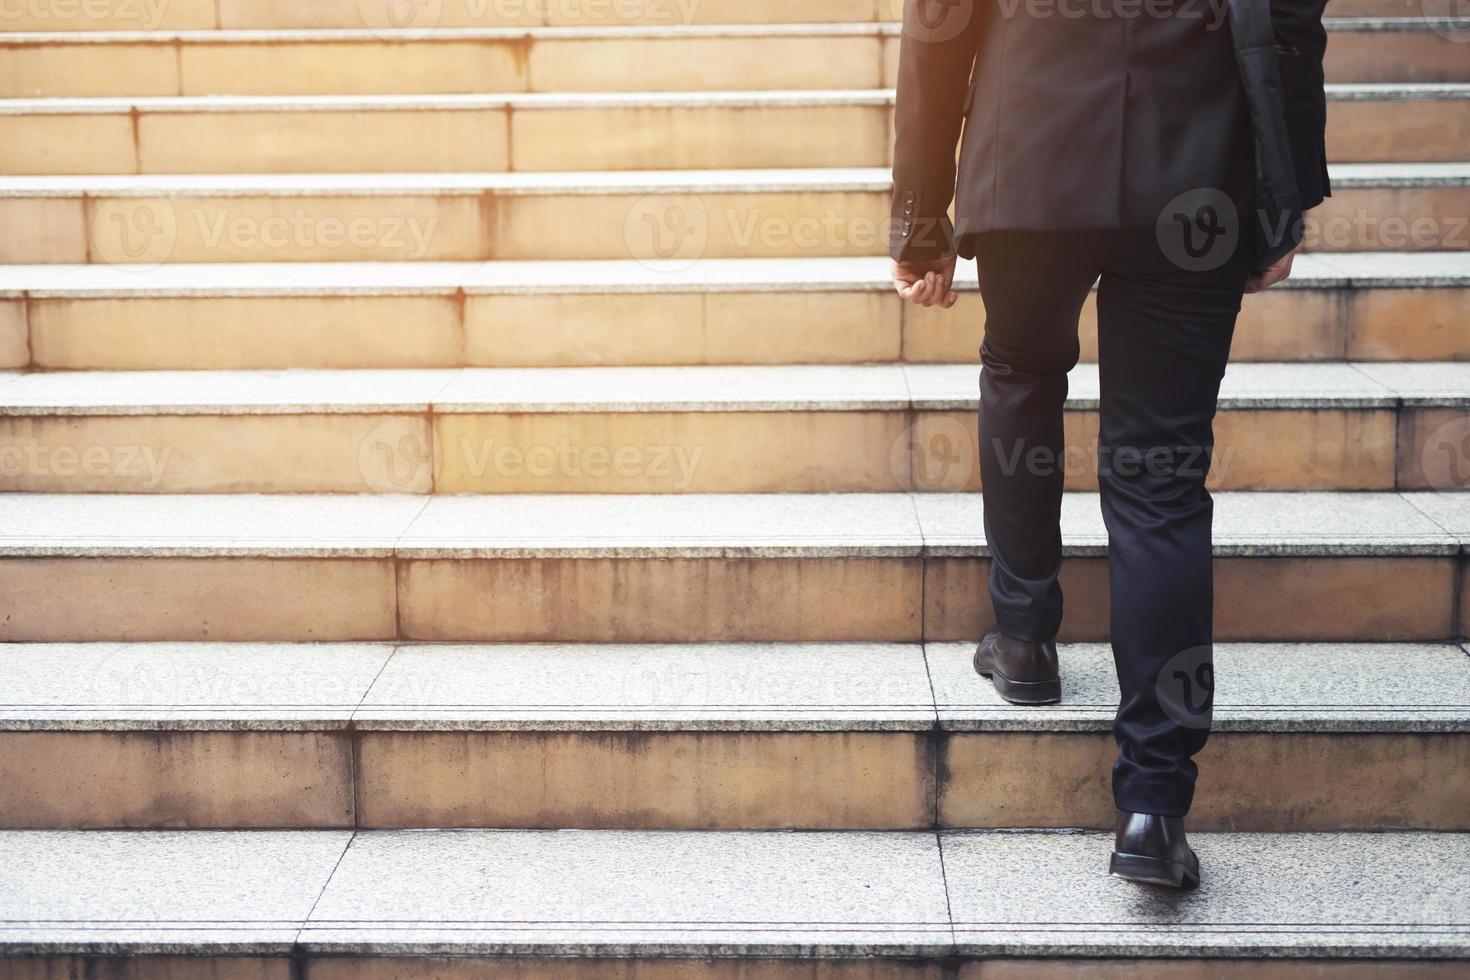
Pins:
x: 161, y: 891
x: 176, y: 686
x: 1400, y: 894
x: 628, y: 893
x: 706, y: 687
x: 1258, y: 687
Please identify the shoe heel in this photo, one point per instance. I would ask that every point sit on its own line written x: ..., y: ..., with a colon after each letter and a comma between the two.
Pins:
x: 1152, y: 871
x: 1028, y: 692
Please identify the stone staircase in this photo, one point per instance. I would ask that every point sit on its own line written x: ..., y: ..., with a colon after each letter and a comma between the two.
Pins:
x: 471, y: 506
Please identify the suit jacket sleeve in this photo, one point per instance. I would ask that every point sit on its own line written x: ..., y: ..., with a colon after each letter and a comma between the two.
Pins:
x: 936, y: 58
x: 1301, y: 42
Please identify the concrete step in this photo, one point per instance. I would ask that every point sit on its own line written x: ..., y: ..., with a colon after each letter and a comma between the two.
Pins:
x: 814, y: 736
x: 339, y: 904
x: 1392, y: 206
x: 617, y: 131
x: 681, y: 568
x: 365, y: 61
x: 665, y: 218
x: 460, y: 60
x: 1396, y: 46
x: 802, y: 429
x: 1370, y: 306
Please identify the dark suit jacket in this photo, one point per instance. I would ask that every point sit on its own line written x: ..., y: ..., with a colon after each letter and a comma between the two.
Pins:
x: 1081, y: 115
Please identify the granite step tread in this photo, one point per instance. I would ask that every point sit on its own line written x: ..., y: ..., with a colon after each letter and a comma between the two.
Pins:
x: 386, y: 35
x: 852, y: 525
x: 698, y: 388
x: 1335, y: 270
x: 723, y: 687
x: 206, y: 15
x: 1338, y: 91
x: 759, y: 180
x: 663, y: 893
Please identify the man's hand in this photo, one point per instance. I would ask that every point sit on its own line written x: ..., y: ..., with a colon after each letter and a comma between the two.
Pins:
x: 926, y: 283
x: 1278, y: 271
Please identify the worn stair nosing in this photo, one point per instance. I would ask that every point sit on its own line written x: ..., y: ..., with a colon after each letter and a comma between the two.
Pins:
x: 841, y: 894
x: 703, y: 526
x: 448, y: 35
x: 1337, y: 270
x: 1248, y: 386
x: 579, y: 183
x: 525, y: 101
x: 1317, y: 689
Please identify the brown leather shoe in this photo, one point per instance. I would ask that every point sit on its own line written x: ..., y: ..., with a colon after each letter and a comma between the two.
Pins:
x: 1022, y: 671
x: 1153, y: 850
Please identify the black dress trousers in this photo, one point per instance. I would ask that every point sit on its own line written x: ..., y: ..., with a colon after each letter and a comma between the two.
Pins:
x: 1164, y: 336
